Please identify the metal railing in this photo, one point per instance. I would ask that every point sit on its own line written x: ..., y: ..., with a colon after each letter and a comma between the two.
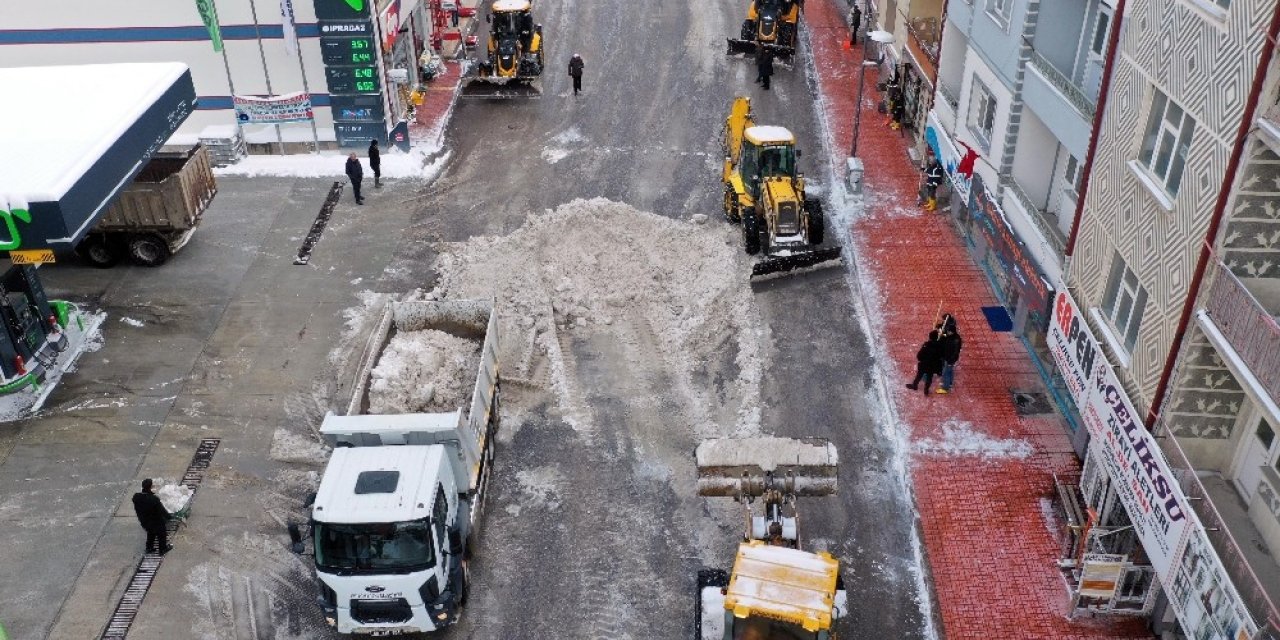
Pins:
x: 927, y: 35
x: 1038, y: 216
x: 1074, y: 93
x: 1250, y: 327
x: 1243, y: 577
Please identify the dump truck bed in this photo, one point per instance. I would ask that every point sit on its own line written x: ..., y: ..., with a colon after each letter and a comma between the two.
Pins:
x: 169, y: 194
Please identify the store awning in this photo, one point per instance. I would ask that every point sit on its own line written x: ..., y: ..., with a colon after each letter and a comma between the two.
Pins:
x: 74, y: 136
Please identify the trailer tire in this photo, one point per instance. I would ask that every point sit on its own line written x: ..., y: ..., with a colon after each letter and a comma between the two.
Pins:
x: 148, y: 250
x: 732, y: 212
x: 751, y: 231
x: 99, y: 252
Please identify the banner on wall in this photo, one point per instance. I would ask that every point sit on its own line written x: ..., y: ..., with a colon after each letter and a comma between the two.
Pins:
x: 289, y: 107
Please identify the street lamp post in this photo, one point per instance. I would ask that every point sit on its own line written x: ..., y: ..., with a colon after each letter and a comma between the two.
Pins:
x: 869, y: 20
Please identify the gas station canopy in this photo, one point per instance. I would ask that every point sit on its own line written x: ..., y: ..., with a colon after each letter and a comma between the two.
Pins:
x: 74, y: 137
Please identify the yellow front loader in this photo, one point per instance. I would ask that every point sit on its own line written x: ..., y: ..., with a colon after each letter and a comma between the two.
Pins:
x: 777, y: 590
x: 765, y: 192
x: 513, y: 59
x: 770, y: 24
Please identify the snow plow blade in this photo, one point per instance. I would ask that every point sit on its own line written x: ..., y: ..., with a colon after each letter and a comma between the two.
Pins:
x: 748, y: 47
x: 782, y: 264
x: 480, y: 88
x: 749, y: 466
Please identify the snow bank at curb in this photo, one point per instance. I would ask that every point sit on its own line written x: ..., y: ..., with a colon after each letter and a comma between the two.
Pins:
x: 422, y: 163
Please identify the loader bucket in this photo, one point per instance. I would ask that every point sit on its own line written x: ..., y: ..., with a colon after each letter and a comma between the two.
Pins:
x: 783, y: 264
x: 730, y: 466
x: 749, y: 47
x: 479, y: 88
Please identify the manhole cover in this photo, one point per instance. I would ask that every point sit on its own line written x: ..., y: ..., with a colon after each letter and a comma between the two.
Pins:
x: 1030, y: 403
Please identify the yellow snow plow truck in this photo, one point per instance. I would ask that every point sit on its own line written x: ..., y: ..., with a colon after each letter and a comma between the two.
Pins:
x: 513, y: 61
x: 764, y: 191
x: 777, y: 590
x: 770, y: 24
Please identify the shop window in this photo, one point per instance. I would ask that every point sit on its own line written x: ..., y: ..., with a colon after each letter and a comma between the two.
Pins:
x: 1167, y: 141
x: 1124, y: 303
x: 982, y: 113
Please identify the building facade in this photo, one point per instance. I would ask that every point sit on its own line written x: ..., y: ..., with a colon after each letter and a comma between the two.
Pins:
x: 353, y: 63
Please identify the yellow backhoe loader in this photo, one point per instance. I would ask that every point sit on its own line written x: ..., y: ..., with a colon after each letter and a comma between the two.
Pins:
x: 513, y: 61
x: 764, y: 191
x: 777, y: 590
x: 770, y: 24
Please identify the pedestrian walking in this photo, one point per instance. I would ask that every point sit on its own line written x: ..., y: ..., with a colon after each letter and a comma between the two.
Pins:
x: 453, y: 15
x: 575, y: 72
x: 153, y: 517
x: 764, y: 66
x: 932, y: 180
x: 951, y: 346
x: 375, y: 163
x: 855, y: 22
x: 355, y: 173
x: 928, y: 362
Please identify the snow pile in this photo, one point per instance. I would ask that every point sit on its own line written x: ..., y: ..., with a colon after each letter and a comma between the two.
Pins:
x: 673, y: 292
x: 290, y: 447
x: 131, y: 321
x: 423, y: 371
x: 174, y: 496
x: 423, y: 163
x: 959, y: 439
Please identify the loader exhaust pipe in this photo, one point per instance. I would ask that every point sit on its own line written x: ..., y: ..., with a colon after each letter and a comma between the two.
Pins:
x: 729, y: 467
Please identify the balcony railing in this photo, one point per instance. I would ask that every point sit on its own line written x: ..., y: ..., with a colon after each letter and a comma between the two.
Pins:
x: 1250, y: 327
x: 1260, y: 605
x: 1075, y: 95
x: 927, y: 34
x: 1048, y: 228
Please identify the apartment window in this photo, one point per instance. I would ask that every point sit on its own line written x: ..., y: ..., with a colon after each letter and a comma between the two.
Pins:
x: 1225, y: 4
x: 1000, y: 9
x: 982, y: 112
x: 1124, y: 302
x: 1073, y: 175
x: 1100, y: 31
x: 1167, y: 141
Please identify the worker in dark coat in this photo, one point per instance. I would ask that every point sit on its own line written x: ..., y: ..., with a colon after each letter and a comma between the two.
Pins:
x: 951, y: 346
x: 356, y: 173
x: 928, y: 362
x: 575, y: 72
x: 855, y: 22
x: 933, y: 175
x: 375, y: 163
x: 153, y: 517
x: 764, y: 66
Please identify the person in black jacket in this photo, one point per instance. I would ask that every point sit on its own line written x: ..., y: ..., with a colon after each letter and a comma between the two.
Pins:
x: 855, y: 22
x: 928, y: 362
x: 152, y: 516
x: 764, y: 66
x: 375, y: 163
x: 356, y: 173
x: 933, y: 175
x: 575, y: 72
x: 951, y: 345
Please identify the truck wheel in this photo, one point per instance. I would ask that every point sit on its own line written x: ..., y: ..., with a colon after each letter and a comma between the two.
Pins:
x: 751, y: 231
x: 148, y: 250
x: 731, y: 210
x: 748, y: 30
x: 817, y: 225
x: 97, y: 251
x: 787, y: 35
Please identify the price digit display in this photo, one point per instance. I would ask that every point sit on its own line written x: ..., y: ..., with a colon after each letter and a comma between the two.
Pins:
x: 366, y: 86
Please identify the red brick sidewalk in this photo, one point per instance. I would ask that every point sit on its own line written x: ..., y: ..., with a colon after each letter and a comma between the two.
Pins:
x: 432, y: 115
x: 987, y: 538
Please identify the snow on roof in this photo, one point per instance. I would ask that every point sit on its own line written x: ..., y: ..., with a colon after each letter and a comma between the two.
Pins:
x: 60, y: 120
x: 794, y: 585
x: 511, y: 5
x: 768, y: 133
x: 337, y: 501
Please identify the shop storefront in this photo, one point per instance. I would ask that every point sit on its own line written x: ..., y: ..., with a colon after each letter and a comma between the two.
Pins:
x: 1142, y: 547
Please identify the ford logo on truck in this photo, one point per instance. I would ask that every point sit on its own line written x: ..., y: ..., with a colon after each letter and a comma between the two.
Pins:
x: 375, y: 589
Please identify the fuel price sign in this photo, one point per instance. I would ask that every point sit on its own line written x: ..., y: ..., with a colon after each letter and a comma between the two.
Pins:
x: 347, y: 51
x: 347, y: 80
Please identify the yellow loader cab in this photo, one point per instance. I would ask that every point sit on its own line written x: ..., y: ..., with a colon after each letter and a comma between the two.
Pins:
x: 513, y: 52
x: 771, y: 24
x: 774, y: 593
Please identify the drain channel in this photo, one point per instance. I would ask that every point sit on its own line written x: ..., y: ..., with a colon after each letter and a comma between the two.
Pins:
x: 127, y: 609
x: 317, y: 227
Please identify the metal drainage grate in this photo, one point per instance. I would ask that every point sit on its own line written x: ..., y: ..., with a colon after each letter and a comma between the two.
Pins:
x: 1031, y: 403
x: 317, y: 227
x: 131, y: 601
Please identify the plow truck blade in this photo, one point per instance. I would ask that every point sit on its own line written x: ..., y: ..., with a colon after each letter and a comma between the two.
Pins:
x: 749, y: 47
x: 729, y: 466
x: 783, y: 264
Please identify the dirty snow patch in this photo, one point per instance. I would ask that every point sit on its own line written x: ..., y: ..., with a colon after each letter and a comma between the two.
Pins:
x: 552, y: 155
x: 291, y: 447
x: 423, y: 371
x: 959, y: 439
x: 568, y: 136
x: 132, y: 322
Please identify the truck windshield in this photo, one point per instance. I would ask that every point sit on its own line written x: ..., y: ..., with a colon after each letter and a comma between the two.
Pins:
x: 392, y: 546
x: 766, y: 629
x: 777, y: 161
x: 507, y: 23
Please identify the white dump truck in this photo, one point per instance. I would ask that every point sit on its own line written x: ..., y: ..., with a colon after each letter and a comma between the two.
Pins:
x: 401, y: 497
